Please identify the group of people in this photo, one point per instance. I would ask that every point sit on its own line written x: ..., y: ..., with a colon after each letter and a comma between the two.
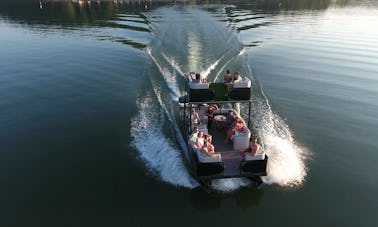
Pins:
x: 235, y: 126
x: 198, y: 78
x: 202, y: 141
x: 199, y: 140
x: 230, y: 80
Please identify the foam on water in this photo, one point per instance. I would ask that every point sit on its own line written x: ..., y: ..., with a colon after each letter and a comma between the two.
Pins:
x: 286, y: 165
x: 174, y: 64
x: 157, y: 151
x: 229, y: 185
x: 169, y: 78
x: 212, y: 66
x: 242, y: 52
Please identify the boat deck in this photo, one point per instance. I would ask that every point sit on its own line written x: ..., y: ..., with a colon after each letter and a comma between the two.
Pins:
x: 230, y: 166
x: 231, y: 159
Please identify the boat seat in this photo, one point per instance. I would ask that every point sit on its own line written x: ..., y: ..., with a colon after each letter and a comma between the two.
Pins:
x: 200, y: 92
x: 245, y: 83
x: 204, y: 158
x: 193, y: 85
x: 207, y: 165
x: 258, y: 156
x: 241, y: 90
x: 256, y: 166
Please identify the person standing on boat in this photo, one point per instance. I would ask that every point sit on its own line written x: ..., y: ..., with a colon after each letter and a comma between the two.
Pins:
x: 230, y: 118
x: 254, y: 147
x: 228, y: 77
x: 210, y: 115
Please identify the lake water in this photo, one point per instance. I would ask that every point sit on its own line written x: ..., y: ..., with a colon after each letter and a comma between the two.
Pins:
x: 89, y: 129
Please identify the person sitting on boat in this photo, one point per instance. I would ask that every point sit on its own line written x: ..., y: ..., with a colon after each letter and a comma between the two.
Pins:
x: 193, y: 136
x: 236, y: 129
x: 200, y: 140
x: 195, y: 119
x: 230, y: 118
x: 237, y: 78
x: 214, y: 106
x: 208, y: 149
x: 198, y: 78
x: 253, y: 148
x: 228, y: 77
x: 210, y: 115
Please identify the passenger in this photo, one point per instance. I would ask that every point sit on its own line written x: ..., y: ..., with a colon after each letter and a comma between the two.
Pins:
x: 200, y: 140
x: 210, y: 115
x: 236, y: 128
x: 230, y: 118
x: 230, y: 132
x: 240, y: 128
x: 208, y: 149
x: 214, y: 106
x: 208, y: 137
x: 198, y: 78
x: 228, y: 77
x: 193, y: 136
x: 253, y: 148
x: 237, y: 78
x: 195, y: 119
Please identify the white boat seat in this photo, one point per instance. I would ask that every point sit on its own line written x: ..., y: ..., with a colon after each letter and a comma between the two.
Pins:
x: 193, y: 85
x: 204, y: 158
x: 245, y: 83
x: 258, y: 156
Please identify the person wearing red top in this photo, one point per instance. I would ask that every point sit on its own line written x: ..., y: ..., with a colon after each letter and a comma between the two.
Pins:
x: 237, y: 126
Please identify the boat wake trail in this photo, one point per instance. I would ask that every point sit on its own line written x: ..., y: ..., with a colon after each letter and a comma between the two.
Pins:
x: 158, y: 152
x: 286, y: 165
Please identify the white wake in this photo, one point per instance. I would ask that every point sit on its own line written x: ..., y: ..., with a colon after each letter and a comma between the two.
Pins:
x: 157, y: 151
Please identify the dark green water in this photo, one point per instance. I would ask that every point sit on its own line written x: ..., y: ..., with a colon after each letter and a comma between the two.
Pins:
x: 89, y: 134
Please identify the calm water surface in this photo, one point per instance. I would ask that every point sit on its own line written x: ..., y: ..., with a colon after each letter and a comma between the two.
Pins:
x: 89, y: 123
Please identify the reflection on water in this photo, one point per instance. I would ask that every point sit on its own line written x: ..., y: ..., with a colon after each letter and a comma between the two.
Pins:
x: 102, y: 19
x: 73, y: 98
x: 85, y: 13
x: 244, y: 198
x: 130, y: 15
